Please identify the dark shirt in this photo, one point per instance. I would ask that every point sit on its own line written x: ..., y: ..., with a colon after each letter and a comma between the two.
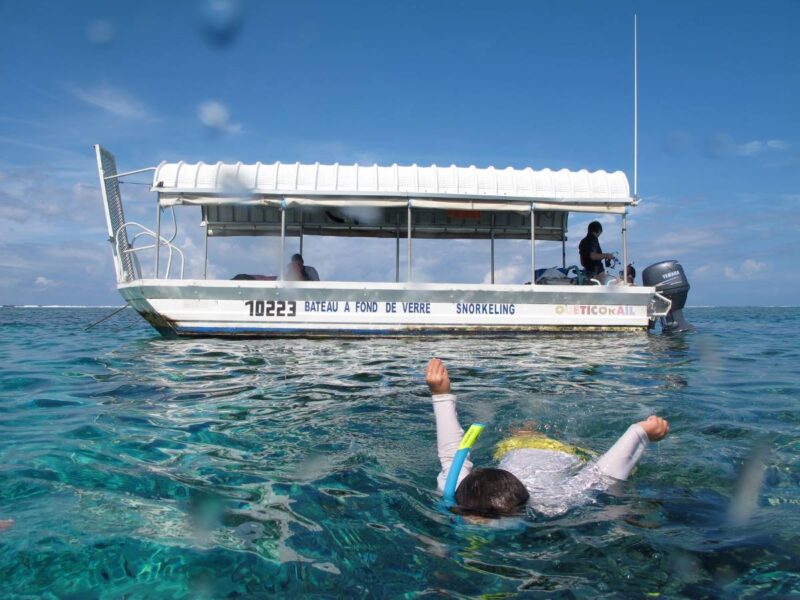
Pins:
x: 588, y: 245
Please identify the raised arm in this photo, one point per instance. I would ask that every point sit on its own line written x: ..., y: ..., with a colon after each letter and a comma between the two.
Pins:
x: 448, y: 430
x: 620, y: 460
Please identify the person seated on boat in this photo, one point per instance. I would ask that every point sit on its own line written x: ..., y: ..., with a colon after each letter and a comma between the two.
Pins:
x: 630, y: 274
x: 297, y: 270
x: 592, y: 255
x: 533, y: 470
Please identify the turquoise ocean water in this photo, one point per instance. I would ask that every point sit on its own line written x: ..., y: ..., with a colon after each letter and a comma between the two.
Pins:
x: 138, y: 467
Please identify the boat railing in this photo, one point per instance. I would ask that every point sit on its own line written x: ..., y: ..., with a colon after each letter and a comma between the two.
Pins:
x: 158, y: 241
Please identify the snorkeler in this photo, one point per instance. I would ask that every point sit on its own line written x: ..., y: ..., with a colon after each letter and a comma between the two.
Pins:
x: 533, y: 470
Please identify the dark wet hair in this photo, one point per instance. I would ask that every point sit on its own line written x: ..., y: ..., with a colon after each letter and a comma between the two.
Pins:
x: 297, y: 258
x: 490, y: 493
x: 595, y: 227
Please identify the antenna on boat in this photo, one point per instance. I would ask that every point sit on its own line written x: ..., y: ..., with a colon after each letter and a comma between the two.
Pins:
x: 635, y: 146
x: 635, y: 107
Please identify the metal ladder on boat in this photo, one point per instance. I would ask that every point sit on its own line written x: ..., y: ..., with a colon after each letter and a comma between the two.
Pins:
x: 123, y: 250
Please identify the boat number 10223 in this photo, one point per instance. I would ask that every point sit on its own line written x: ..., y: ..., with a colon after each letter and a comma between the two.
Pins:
x: 272, y: 308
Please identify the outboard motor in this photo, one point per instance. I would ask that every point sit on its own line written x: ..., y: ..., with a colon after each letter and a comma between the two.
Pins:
x: 670, y: 281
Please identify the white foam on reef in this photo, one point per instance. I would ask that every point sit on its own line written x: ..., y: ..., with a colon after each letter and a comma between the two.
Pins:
x: 60, y: 306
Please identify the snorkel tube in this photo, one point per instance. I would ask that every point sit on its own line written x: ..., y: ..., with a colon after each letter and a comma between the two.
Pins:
x: 458, y: 461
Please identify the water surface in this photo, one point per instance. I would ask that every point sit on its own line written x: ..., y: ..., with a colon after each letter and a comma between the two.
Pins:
x: 141, y: 467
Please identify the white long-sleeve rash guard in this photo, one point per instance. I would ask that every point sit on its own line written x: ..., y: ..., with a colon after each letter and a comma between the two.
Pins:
x: 556, y: 481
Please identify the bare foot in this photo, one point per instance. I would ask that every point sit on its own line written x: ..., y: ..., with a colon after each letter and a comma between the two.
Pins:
x: 6, y: 524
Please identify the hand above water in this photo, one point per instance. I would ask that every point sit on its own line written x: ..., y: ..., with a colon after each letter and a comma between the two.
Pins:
x: 437, y: 378
x: 655, y: 427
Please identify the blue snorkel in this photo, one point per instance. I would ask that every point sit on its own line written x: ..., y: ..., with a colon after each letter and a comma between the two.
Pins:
x: 458, y: 462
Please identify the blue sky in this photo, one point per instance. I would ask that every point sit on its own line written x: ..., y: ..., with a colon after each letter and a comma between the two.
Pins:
x: 539, y: 84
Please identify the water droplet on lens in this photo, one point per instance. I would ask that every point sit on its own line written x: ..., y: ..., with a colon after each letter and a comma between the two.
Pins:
x: 101, y: 32
x: 221, y: 21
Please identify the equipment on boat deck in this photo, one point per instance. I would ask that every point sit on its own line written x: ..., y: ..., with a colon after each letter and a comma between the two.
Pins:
x: 670, y: 281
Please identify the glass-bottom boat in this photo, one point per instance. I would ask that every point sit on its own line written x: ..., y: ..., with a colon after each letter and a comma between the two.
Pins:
x: 403, y: 203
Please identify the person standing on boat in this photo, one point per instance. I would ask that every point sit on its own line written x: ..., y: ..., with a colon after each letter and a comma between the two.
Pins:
x: 296, y: 270
x: 592, y: 255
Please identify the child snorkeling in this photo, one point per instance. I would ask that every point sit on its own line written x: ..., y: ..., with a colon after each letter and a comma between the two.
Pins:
x: 533, y: 470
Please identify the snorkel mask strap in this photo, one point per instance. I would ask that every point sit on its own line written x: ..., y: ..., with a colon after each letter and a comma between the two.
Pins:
x: 458, y: 462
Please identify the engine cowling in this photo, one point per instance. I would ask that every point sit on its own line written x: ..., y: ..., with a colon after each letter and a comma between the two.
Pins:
x: 670, y: 281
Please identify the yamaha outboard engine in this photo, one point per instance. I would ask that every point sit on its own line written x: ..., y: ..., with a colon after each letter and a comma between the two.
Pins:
x: 670, y: 281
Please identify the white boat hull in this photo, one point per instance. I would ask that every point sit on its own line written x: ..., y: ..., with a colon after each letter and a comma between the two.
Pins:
x: 274, y: 308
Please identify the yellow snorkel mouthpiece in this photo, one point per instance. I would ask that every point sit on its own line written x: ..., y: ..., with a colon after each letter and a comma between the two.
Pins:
x: 458, y: 460
x: 471, y: 435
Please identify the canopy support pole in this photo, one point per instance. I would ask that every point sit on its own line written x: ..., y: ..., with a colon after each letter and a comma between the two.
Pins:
x: 563, y: 246
x: 625, y: 247
x: 205, y: 254
x: 533, y: 244
x: 158, y: 236
x: 408, y: 266
x: 492, y: 248
x: 283, y: 240
x: 397, y: 256
x: 301, y: 232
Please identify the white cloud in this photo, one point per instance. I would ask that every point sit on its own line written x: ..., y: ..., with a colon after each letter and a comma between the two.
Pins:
x: 193, y: 256
x: 685, y: 242
x: 507, y: 274
x: 777, y: 145
x: 648, y: 205
x: 216, y: 117
x: 13, y: 213
x: 43, y: 283
x: 749, y: 269
x: 749, y: 148
x: 73, y: 272
x: 78, y: 255
x: 756, y: 147
x: 702, y: 271
x: 312, y: 150
x: 32, y: 146
x: 114, y: 101
x: 42, y: 200
x: 722, y: 144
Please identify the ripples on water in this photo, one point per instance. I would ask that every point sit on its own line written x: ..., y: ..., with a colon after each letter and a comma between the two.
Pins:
x: 141, y: 467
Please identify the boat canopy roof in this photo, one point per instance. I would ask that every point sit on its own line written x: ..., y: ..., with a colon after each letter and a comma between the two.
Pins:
x: 394, y: 185
x: 373, y: 201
